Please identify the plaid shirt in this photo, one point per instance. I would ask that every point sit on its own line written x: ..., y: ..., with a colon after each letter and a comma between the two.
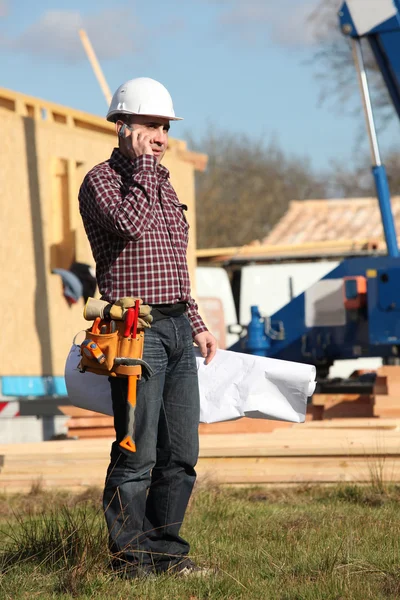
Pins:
x: 138, y: 233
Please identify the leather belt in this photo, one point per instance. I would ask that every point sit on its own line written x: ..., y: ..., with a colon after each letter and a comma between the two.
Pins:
x: 165, y: 311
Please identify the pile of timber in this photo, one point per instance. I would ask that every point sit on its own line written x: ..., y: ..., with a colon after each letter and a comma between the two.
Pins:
x: 87, y: 423
x: 387, y: 392
x: 349, y: 438
x: 384, y: 402
x: 339, y: 450
x: 84, y: 424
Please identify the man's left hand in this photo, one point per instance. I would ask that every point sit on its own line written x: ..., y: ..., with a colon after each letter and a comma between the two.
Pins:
x: 207, y: 344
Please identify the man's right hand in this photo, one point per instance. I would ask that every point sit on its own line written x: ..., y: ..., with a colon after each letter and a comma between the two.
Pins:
x: 136, y: 143
x: 207, y: 345
x: 141, y: 143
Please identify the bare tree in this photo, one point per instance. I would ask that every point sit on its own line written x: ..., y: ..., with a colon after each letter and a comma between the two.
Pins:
x: 345, y: 182
x: 248, y: 185
x: 246, y: 188
x: 334, y: 66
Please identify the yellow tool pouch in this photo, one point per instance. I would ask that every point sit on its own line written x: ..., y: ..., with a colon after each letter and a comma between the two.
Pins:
x: 112, y: 354
x: 107, y: 343
x: 114, y: 343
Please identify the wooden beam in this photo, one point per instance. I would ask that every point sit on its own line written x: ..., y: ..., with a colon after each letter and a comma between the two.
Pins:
x: 95, y: 65
x: 324, y: 248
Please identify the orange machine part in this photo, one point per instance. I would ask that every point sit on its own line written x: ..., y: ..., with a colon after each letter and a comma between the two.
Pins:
x: 358, y: 297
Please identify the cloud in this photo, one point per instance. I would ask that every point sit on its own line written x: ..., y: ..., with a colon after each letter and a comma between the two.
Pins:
x: 113, y: 33
x: 252, y: 21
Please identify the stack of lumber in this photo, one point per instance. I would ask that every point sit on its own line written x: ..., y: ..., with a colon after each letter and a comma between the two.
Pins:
x: 387, y: 392
x: 84, y: 424
x: 353, y: 450
x: 88, y: 424
x: 384, y: 402
x: 342, y: 406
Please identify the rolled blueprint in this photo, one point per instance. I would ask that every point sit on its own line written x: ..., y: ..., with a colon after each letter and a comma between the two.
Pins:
x: 232, y: 385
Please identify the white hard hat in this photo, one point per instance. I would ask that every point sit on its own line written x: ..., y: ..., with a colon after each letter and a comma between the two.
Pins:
x: 142, y: 96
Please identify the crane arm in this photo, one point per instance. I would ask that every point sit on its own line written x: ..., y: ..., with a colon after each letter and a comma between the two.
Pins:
x: 378, y: 21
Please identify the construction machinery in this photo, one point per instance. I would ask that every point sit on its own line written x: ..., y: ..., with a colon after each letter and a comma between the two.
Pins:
x: 354, y: 310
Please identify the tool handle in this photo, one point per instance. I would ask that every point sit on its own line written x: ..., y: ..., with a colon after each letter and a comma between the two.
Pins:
x: 136, y: 318
x: 129, y: 440
x: 132, y: 381
x: 129, y: 320
x: 96, y: 325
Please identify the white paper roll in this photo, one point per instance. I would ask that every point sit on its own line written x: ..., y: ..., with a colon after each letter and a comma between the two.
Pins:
x: 233, y: 385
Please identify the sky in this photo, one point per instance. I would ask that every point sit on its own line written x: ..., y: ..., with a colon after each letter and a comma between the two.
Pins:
x: 242, y: 66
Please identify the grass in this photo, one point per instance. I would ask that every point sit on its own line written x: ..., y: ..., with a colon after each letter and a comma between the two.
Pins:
x: 306, y: 543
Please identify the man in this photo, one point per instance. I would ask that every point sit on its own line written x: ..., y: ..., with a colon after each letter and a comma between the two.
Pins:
x: 138, y: 233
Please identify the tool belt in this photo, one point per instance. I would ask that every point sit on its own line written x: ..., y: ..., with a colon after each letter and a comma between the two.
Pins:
x: 114, y: 346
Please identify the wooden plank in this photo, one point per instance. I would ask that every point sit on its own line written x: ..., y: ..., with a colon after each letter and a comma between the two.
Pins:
x: 52, y: 482
x: 281, y: 470
x: 52, y: 447
x: 84, y: 422
x: 387, y: 414
x: 351, y: 423
x: 92, y: 432
x: 346, y: 411
x: 238, y: 471
x: 87, y: 419
x: 387, y: 400
x: 72, y: 459
x: 25, y: 487
x: 323, y: 399
x: 284, y: 442
x: 243, y: 425
x: 295, y: 433
x: 297, y: 450
x: 75, y: 411
x: 324, y: 247
x: 314, y: 413
x: 66, y: 470
x: 298, y: 434
x: 95, y: 65
x: 302, y: 431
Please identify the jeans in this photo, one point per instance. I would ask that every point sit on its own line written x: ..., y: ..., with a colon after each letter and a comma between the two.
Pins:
x: 147, y: 491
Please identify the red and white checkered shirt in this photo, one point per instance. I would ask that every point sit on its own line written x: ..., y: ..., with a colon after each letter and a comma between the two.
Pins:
x: 138, y: 233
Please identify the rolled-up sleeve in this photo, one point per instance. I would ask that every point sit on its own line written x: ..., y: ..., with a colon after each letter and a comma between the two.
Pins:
x: 124, y: 212
x: 195, y: 319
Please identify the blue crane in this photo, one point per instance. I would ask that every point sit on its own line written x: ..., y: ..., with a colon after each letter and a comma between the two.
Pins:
x: 354, y: 311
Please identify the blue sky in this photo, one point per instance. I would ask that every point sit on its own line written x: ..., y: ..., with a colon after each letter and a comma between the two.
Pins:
x: 240, y: 65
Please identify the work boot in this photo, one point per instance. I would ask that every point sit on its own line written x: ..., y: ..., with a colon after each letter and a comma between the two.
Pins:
x: 135, y: 572
x: 187, y: 568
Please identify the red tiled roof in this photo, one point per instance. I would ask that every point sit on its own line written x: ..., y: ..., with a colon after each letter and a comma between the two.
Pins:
x: 325, y: 220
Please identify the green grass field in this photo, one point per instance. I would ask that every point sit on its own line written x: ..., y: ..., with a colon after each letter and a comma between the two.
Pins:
x: 307, y: 543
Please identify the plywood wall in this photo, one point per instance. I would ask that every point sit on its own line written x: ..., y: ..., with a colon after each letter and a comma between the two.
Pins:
x: 46, y: 150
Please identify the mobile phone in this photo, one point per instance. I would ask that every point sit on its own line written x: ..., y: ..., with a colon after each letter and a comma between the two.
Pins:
x: 121, y: 132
